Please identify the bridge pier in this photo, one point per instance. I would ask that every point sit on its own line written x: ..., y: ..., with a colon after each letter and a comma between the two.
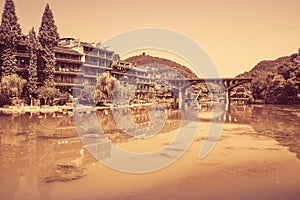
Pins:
x: 179, y: 87
x: 179, y: 98
x: 227, y: 97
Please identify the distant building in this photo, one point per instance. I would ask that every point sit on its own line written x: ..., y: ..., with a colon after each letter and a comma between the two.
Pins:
x: 132, y: 74
x: 129, y: 71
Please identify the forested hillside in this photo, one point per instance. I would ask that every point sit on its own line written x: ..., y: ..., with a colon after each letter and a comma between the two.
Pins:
x: 276, y: 81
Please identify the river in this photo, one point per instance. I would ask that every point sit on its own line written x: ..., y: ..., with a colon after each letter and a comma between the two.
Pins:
x: 256, y: 156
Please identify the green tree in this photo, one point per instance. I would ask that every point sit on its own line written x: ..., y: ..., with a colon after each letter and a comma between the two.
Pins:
x: 49, y: 68
x: 279, y: 86
x: 10, y: 35
x: 104, y: 88
x: 12, y: 86
x: 48, y: 93
x: 4, y: 100
x: 86, y: 94
x: 9, y: 62
x: 48, y: 37
x: 283, y: 86
x: 33, y: 47
x: 123, y: 93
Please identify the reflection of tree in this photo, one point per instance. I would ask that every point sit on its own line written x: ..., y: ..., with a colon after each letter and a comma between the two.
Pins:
x: 9, y: 181
x: 110, y: 127
x: 280, y: 123
x: 20, y: 126
x: 17, y: 152
x: 240, y: 113
x: 46, y: 166
x: 106, y: 120
x: 50, y: 127
x: 142, y: 123
x: 26, y: 159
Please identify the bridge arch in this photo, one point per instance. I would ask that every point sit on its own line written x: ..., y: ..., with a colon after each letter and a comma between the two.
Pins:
x: 227, y: 83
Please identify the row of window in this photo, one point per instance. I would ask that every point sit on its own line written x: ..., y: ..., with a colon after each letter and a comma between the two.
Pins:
x: 67, y: 67
x: 67, y: 56
x: 67, y: 79
x: 97, y: 52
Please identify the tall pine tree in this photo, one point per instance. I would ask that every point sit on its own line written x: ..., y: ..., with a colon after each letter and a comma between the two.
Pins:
x: 10, y: 35
x: 48, y: 37
x: 33, y: 47
x: 49, y: 68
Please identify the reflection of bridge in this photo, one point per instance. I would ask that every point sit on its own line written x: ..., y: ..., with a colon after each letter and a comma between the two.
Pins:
x: 226, y: 84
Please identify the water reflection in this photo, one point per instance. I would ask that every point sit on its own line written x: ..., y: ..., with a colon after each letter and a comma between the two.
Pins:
x: 37, y: 150
x: 280, y: 123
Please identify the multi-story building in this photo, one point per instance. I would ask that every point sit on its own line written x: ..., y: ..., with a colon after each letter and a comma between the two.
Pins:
x: 129, y: 71
x: 80, y: 63
x: 132, y: 74
x: 77, y: 63
x: 22, y: 56
x: 95, y: 58
x: 68, y: 74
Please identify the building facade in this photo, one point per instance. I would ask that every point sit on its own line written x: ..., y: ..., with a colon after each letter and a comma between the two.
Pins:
x: 137, y: 76
x: 95, y: 58
x: 80, y: 63
x: 77, y: 63
x: 67, y: 71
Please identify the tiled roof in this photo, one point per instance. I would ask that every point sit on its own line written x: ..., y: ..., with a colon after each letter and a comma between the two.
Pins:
x: 85, y: 44
x: 66, y: 50
x: 90, y: 45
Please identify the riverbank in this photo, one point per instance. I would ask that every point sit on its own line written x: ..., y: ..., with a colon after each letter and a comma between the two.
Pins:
x: 65, y: 108
x: 17, y: 110
x: 34, y: 109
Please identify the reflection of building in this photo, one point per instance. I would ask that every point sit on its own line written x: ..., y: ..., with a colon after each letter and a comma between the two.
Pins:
x: 31, y: 159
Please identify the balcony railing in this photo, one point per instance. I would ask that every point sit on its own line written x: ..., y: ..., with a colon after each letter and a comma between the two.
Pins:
x: 70, y: 73
x: 68, y: 70
x: 69, y: 84
x: 68, y: 57
x: 91, y: 62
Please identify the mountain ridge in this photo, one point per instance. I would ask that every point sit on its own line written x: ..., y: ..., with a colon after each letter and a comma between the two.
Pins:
x: 143, y: 59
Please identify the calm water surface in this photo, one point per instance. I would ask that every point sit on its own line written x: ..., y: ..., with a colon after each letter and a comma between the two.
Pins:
x: 257, y: 156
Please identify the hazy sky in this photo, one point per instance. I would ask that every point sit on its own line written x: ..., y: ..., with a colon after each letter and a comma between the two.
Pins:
x: 236, y: 34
